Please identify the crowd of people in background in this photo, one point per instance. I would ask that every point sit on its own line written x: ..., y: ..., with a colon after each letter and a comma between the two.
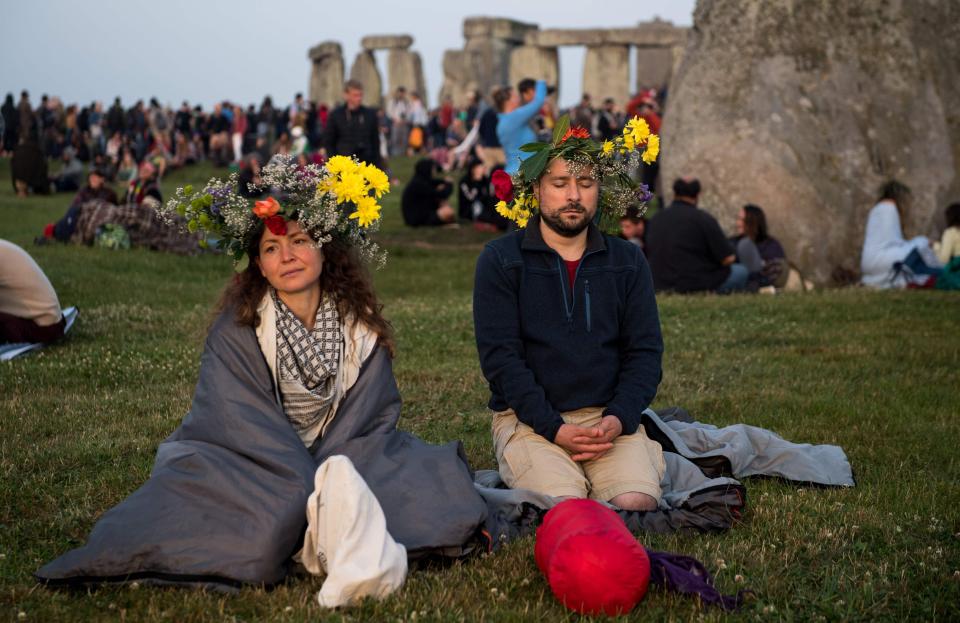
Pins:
x: 115, y: 139
x: 458, y: 149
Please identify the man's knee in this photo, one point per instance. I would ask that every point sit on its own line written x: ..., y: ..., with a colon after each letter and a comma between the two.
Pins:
x: 634, y: 501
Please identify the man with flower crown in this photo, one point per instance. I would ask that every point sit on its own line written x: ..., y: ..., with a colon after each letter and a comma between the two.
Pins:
x: 567, y: 326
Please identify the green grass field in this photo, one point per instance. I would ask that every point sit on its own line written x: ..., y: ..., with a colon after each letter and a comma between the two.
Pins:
x: 877, y: 373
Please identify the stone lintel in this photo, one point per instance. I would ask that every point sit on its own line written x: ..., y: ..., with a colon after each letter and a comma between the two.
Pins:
x: 496, y: 28
x: 386, y: 42
x: 641, y: 36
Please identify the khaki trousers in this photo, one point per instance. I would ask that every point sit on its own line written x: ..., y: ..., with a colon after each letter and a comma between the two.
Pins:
x: 528, y: 461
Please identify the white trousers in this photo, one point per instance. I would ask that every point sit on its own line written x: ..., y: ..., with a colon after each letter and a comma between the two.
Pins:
x: 347, y: 538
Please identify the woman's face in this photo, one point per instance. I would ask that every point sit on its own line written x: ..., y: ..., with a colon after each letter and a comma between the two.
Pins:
x: 292, y: 263
x: 514, y: 102
x: 741, y: 223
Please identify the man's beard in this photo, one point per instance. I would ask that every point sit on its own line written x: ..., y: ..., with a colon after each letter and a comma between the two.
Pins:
x: 567, y: 229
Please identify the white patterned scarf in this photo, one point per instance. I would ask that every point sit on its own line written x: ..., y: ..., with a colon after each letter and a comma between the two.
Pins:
x: 307, y: 365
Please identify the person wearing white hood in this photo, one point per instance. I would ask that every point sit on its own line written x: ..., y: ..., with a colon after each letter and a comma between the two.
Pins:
x: 884, y: 244
x: 299, y: 146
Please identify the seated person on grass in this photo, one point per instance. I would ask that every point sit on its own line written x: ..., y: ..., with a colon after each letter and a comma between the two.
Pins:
x: 949, y: 245
x: 568, y: 332
x: 95, y: 190
x: 884, y: 245
x: 143, y: 191
x: 476, y: 199
x: 425, y: 200
x: 70, y: 176
x: 633, y: 226
x: 296, y: 368
x: 29, y: 308
x: 761, y: 254
x: 688, y: 251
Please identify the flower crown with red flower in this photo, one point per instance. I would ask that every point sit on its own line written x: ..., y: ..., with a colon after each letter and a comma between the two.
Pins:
x: 610, y: 162
x: 338, y: 200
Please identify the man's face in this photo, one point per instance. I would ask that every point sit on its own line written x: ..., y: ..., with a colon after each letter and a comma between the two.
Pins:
x: 95, y: 181
x: 527, y: 95
x: 568, y: 199
x: 354, y: 97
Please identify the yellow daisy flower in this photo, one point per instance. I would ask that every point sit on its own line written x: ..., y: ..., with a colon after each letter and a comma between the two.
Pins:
x: 607, y: 148
x: 638, y: 129
x: 338, y: 165
x: 367, y: 211
x: 521, y: 217
x: 653, y: 149
x: 503, y: 210
x: 376, y: 179
x: 326, y: 185
x: 351, y: 187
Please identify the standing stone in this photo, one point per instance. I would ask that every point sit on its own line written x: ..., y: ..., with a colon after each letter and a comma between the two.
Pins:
x: 606, y: 73
x: 364, y: 70
x: 326, y: 76
x: 659, y: 49
x: 404, y: 69
x: 484, y: 61
x: 529, y: 61
x: 454, y: 85
x: 806, y: 108
x: 654, y: 67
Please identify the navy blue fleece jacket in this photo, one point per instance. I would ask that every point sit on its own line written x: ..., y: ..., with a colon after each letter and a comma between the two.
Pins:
x: 545, y: 348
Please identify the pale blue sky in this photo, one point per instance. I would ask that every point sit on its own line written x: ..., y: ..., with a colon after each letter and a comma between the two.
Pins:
x: 208, y: 50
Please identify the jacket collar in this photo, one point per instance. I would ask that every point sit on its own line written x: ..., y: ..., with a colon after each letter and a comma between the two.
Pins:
x: 533, y: 239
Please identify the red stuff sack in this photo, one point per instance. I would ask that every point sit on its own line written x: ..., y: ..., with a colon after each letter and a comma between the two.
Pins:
x: 593, y: 564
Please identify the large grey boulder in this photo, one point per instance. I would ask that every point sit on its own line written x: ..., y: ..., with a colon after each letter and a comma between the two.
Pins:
x: 805, y: 108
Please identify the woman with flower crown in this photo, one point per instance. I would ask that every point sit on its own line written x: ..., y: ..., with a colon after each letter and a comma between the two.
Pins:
x: 296, y: 369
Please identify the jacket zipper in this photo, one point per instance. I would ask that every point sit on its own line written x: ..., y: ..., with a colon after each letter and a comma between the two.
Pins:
x: 586, y: 296
x: 569, y: 307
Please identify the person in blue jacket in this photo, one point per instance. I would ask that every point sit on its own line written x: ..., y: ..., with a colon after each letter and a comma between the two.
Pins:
x: 513, y: 122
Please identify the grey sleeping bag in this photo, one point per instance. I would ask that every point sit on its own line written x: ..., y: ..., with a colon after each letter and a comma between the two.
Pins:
x: 225, y: 502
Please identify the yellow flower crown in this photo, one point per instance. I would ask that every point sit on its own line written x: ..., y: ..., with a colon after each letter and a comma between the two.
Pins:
x: 339, y: 199
x: 610, y: 162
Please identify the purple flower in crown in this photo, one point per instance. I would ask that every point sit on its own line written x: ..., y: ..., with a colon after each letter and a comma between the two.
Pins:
x: 643, y: 193
x: 307, y: 176
x: 220, y: 196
